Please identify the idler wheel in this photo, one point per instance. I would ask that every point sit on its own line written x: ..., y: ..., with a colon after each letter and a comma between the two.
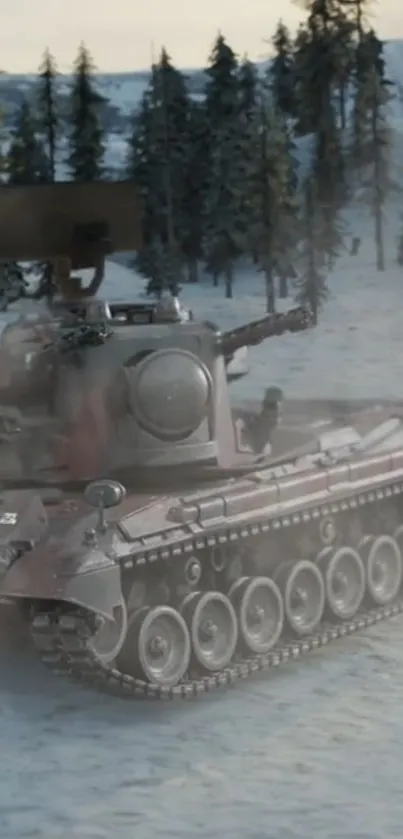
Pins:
x: 303, y: 589
x: 108, y: 640
x: 259, y: 606
x: 344, y: 576
x: 383, y: 560
x: 213, y: 628
x: 158, y: 646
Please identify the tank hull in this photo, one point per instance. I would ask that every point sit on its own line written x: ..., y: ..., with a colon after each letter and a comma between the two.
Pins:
x: 196, y: 590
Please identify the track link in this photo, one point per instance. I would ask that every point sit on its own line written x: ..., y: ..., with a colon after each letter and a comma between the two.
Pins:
x: 61, y: 640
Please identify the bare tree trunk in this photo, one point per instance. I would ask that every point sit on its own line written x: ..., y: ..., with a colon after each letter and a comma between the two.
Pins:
x: 229, y: 277
x: 378, y: 193
x: 193, y: 271
x: 270, y: 295
x: 342, y: 105
x: 283, y: 287
x: 312, y: 279
x: 380, y: 251
x: 314, y: 308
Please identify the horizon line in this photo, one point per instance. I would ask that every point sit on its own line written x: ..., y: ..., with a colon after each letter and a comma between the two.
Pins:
x: 129, y: 72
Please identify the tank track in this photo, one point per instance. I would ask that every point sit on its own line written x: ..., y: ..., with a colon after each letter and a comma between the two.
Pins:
x: 61, y: 636
x: 61, y: 641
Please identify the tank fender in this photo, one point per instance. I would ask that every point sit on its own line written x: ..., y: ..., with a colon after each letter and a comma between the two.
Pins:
x: 99, y: 591
x: 46, y: 573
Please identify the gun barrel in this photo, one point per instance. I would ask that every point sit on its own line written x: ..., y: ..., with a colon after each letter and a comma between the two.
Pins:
x: 255, y: 332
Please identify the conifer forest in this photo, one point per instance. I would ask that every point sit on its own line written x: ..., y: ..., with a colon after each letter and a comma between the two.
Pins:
x: 220, y: 175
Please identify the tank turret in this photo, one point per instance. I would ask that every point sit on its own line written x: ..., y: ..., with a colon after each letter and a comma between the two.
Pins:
x: 141, y: 386
x: 103, y: 386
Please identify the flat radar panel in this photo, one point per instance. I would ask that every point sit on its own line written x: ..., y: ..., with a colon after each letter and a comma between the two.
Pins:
x: 78, y: 220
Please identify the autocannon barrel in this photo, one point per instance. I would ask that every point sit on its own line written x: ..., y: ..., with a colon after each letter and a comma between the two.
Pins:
x: 250, y: 334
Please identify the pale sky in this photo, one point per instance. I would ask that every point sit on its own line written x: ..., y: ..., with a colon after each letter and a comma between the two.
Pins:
x: 120, y: 33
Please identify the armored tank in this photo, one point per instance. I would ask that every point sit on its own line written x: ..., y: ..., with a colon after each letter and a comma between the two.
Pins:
x: 159, y: 543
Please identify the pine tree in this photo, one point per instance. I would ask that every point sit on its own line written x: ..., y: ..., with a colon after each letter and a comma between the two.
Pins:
x: 140, y: 170
x: 47, y: 109
x: 248, y: 107
x: 248, y: 88
x: 86, y: 145
x: 371, y: 139
x: 355, y: 11
x: 26, y: 160
x: 161, y: 266
x: 319, y: 60
x: 4, y: 144
x: 195, y: 183
x: 309, y: 49
x: 311, y: 285
x: 159, y: 160
x: 273, y: 226
x: 281, y: 72
x: 222, y: 89
x: 330, y: 189
x: 224, y: 233
x: 172, y: 124
x: 322, y: 55
x: 344, y: 57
